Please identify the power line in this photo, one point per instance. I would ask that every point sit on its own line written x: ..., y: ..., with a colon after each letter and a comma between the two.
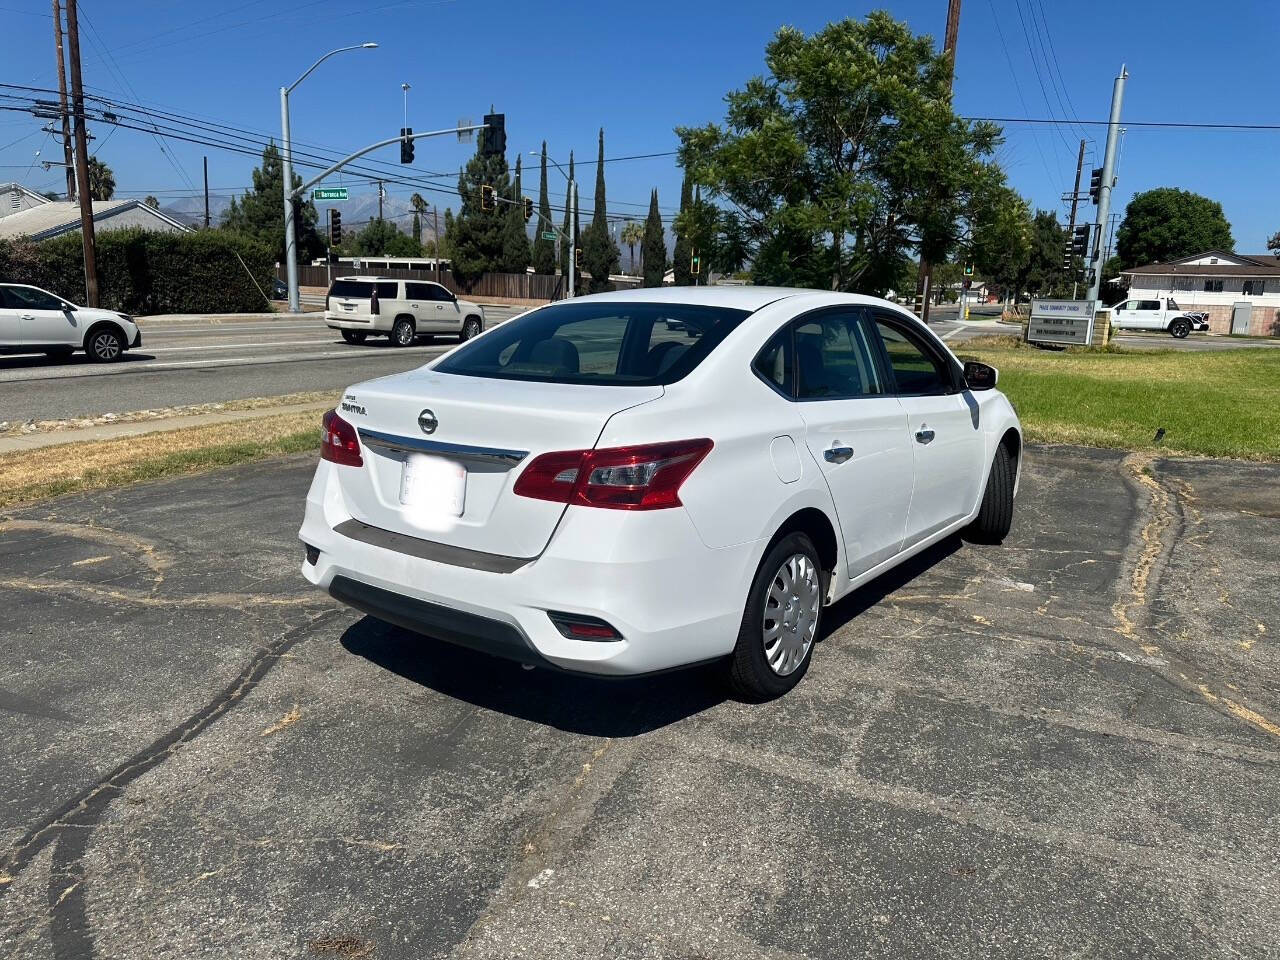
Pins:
x: 1018, y: 86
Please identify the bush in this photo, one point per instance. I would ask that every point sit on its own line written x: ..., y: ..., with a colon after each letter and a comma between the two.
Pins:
x: 146, y: 272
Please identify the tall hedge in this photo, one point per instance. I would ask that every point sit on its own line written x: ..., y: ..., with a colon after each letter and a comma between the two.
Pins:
x: 145, y: 272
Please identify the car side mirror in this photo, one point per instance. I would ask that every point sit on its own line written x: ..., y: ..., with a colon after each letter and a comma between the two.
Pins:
x: 980, y: 376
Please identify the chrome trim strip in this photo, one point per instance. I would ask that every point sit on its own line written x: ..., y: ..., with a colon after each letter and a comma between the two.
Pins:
x: 430, y: 550
x: 457, y: 451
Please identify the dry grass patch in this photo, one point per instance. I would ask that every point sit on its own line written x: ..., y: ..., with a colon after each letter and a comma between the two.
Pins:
x: 69, y: 468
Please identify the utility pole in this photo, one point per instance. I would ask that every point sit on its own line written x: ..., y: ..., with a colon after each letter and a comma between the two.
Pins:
x: 1108, y: 182
x: 379, y: 199
x: 62, y: 100
x: 82, y: 160
x: 435, y: 212
x: 948, y: 46
x: 573, y: 239
x: 1075, y: 200
x: 206, y: 193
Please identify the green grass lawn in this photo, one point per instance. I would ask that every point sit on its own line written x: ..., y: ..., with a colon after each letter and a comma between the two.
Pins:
x: 1220, y: 404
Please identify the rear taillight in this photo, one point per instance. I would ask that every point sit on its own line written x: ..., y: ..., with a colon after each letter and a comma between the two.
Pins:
x: 644, y: 477
x: 340, y: 443
x: 373, y: 302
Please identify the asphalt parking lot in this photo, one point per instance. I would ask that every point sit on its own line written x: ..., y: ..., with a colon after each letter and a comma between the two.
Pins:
x: 1063, y: 746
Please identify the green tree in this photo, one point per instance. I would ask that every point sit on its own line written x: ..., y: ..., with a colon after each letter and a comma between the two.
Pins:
x: 258, y: 214
x: 478, y: 234
x: 565, y: 232
x: 445, y: 240
x: 632, y: 234
x: 1000, y: 247
x: 1273, y: 243
x: 1043, y: 275
x: 382, y: 238
x: 1113, y: 288
x: 544, y: 250
x: 515, y: 236
x: 653, y: 249
x: 152, y: 202
x: 102, y: 182
x: 680, y: 256
x: 846, y: 157
x: 600, y: 254
x: 1167, y: 223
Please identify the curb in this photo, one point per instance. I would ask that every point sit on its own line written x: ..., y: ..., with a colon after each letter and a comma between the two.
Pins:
x: 136, y: 428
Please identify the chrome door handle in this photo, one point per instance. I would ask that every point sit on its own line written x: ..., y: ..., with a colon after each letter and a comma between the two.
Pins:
x: 26, y: 316
x: 837, y: 454
x: 924, y: 435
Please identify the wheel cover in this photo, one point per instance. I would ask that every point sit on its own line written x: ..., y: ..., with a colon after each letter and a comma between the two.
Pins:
x: 469, y: 329
x: 791, y: 609
x: 404, y: 334
x: 106, y: 346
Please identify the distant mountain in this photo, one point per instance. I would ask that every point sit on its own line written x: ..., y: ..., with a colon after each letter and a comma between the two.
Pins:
x: 356, y: 211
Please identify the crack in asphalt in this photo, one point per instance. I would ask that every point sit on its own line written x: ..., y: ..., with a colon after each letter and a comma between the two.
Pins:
x: 71, y: 826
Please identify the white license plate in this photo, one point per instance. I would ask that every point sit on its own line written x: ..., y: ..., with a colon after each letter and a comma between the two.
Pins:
x: 437, y: 485
x: 349, y: 307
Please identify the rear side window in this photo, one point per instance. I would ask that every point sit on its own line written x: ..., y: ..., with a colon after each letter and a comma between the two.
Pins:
x: 29, y: 298
x: 358, y: 289
x: 834, y: 359
x: 635, y: 344
x: 389, y: 290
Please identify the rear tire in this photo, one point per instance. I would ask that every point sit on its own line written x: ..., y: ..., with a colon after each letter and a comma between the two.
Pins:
x: 1180, y: 328
x: 354, y: 336
x: 995, y: 516
x: 469, y: 329
x: 402, y: 333
x: 781, y: 621
x: 104, y: 345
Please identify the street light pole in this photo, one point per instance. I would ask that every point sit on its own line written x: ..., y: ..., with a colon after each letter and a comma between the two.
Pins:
x: 286, y: 169
x: 571, y: 205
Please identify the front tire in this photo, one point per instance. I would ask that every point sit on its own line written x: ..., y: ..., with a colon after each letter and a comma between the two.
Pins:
x: 995, y: 516
x: 781, y: 621
x: 354, y: 336
x: 1180, y: 328
x: 104, y: 346
x: 469, y: 329
x: 402, y: 333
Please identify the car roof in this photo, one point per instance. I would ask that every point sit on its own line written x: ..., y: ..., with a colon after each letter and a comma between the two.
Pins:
x: 739, y: 297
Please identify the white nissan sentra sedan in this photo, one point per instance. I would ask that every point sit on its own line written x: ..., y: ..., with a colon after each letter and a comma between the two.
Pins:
x: 630, y: 482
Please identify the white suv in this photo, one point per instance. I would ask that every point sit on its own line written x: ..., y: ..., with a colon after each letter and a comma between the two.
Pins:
x: 401, y: 309
x: 36, y: 321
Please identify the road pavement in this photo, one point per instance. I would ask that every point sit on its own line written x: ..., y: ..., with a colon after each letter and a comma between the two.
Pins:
x: 1063, y: 746
x: 186, y: 361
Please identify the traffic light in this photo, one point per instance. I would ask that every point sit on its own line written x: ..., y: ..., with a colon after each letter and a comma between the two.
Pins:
x: 495, y: 134
x: 335, y: 228
x: 695, y: 262
x: 488, y: 197
x: 406, y: 145
x: 968, y: 271
x: 528, y: 209
x: 577, y: 257
x: 1095, y: 184
x: 1080, y: 241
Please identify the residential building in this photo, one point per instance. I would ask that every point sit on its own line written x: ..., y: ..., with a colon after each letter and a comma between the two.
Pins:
x: 53, y: 218
x: 1215, y: 282
x: 14, y: 198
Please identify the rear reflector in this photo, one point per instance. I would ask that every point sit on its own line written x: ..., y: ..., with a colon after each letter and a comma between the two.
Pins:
x: 642, y: 477
x: 339, y: 443
x: 580, y: 627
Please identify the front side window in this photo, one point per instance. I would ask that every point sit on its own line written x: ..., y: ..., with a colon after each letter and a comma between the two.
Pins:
x: 834, y: 358
x: 915, y: 370
x: 29, y: 298
x: 439, y: 293
x: 611, y: 343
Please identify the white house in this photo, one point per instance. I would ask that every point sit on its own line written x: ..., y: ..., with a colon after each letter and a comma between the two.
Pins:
x: 1214, y: 282
x: 14, y: 198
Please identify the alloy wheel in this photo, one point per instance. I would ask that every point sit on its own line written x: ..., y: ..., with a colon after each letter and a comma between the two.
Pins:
x: 791, y: 610
x: 106, y: 346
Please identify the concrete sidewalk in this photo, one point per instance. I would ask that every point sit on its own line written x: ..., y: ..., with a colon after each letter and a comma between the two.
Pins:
x: 136, y: 428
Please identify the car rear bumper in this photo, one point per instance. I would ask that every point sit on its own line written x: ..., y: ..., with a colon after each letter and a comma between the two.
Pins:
x: 366, y: 322
x: 673, y: 600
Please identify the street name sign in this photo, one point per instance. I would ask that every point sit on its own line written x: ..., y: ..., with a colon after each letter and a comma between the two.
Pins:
x: 548, y: 235
x: 1066, y: 322
x: 329, y: 193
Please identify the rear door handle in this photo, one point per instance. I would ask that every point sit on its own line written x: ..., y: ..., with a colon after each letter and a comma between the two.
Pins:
x: 27, y: 316
x: 837, y: 454
x: 924, y: 435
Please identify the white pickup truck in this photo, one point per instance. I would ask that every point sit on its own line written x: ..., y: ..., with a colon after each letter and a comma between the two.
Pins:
x: 1162, y: 314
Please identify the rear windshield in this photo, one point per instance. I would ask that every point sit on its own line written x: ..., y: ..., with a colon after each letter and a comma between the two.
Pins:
x: 351, y: 288
x: 631, y: 344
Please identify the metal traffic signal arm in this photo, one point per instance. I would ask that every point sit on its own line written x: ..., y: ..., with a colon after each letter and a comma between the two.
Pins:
x: 290, y: 252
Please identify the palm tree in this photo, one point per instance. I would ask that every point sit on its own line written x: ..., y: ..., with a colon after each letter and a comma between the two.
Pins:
x: 419, y: 208
x: 102, y: 182
x: 632, y: 234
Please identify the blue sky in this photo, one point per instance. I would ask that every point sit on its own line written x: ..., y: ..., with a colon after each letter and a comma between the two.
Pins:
x: 560, y: 71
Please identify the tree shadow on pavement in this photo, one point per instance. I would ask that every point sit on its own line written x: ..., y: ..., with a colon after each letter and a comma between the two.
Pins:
x: 594, y: 706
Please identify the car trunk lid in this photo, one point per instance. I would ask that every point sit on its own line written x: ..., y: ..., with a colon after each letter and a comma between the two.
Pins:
x: 442, y: 452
